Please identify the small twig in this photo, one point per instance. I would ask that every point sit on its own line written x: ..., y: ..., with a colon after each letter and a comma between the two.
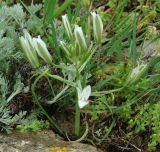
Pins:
x: 135, y: 147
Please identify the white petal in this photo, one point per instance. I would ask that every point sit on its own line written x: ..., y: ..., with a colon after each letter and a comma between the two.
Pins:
x: 82, y: 103
x: 86, y: 92
x: 79, y: 93
x: 83, y: 96
x: 42, y: 43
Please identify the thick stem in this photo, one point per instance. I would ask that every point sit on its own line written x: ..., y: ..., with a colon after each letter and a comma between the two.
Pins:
x: 77, y: 109
x: 77, y: 118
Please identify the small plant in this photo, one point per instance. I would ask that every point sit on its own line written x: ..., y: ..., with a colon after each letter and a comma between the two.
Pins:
x: 12, y: 19
x: 78, y: 52
x: 7, y: 119
x: 107, y: 74
x: 31, y: 123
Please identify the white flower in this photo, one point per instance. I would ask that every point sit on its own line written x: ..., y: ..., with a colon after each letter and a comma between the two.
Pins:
x: 67, y: 26
x: 80, y: 39
x: 42, y: 50
x: 97, y: 26
x: 28, y: 48
x: 83, y: 96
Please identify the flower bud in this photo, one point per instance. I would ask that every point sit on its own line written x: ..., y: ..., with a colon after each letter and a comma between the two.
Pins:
x: 80, y: 39
x: 28, y: 48
x: 137, y: 73
x: 97, y: 26
x: 65, y: 48
x: 42, y: 50
x: 83, y: 96
x: 67, y: 26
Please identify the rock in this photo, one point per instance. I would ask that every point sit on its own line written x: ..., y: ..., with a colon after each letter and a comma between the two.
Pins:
x: 44, y: 141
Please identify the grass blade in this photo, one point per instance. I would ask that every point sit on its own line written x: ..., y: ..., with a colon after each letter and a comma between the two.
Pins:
x: 49, y: 7
x: 59, y: 11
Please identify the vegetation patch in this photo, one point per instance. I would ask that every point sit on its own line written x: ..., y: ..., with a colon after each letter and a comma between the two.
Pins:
x: 88, y: 70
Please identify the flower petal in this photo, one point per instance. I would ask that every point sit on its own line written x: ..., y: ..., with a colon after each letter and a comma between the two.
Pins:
x: 83, y: 96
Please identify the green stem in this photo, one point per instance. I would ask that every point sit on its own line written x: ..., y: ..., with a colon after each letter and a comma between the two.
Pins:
x: 39, y: 104
x: 50, y: 84
x: 70, y: 83
x: 100, y: 93
x: 61, y: 67
x: 77, y: 117
x: 77, y: 109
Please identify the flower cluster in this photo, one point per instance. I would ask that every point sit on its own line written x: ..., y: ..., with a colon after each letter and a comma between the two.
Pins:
x: 32, y: 47
x: 77, y: 51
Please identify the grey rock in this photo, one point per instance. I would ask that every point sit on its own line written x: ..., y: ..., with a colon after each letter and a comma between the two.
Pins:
x: 43, y: 141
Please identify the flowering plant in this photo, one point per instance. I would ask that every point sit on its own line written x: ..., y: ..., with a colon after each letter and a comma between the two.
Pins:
x: 78, y: 51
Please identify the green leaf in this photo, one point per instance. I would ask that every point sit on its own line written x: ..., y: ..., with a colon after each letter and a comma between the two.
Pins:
x: 49, y: 10
x: 62, y: 8
x: 133, y: 54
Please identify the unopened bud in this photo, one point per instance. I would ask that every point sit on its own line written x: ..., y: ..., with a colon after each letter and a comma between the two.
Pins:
x: 42, y: 50
x: 97, y: 26
x: 67, y: 26
x: 28, y: 48
x: 80, y: 39
x: 137, y: 73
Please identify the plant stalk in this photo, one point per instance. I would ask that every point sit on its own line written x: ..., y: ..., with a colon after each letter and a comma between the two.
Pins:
x: 77, y: 109
x: 39, y: 104
x: 77, y: 118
